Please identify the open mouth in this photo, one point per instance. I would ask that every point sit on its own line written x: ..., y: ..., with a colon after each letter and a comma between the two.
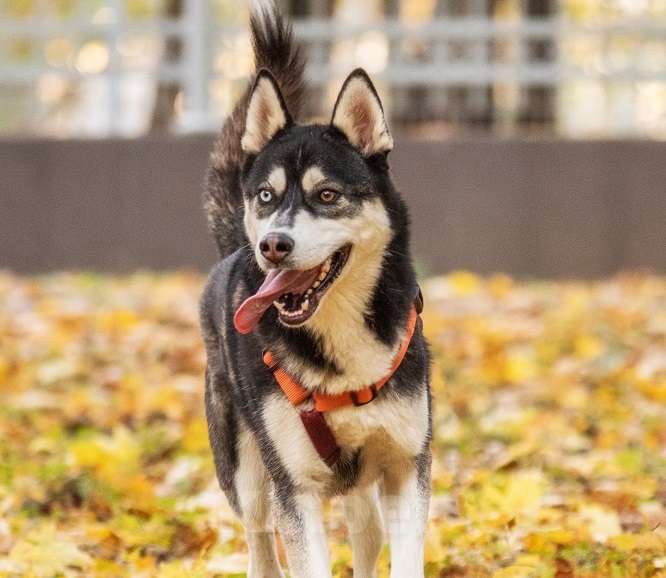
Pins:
x: 295, y: 293
x: 295, y: 308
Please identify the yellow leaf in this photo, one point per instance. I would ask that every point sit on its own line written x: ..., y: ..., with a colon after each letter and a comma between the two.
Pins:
x: 112, y: 456
x: 181, y: 569
x: 549, y: 540
x: 525, y: 566
x: 514, y: 571
x: 636, y: 542
x: 508, y: 495
x: 195, y: 437
x: 108, y: 569
x: 464, y: 282
x: 46, y: 553
x: 588, y: 347
x: 655, y: 390
x: 117, y: 320
x: 500, y: 285
x: 4, y: 371
x: 519, y: 368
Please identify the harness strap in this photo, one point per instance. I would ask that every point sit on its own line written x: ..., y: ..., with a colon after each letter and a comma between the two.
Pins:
x: 321, y: 436
x: 313, y: 420
x: 294, y: 392
x: 297, y: 394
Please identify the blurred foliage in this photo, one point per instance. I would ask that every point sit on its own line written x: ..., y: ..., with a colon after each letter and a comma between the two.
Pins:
x: 49, y: 101
x: 133, y: 8
x: 549, y: 449
x: 613, y: 9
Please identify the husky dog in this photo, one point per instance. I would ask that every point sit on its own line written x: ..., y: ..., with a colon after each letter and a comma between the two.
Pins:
x: 314, y: 293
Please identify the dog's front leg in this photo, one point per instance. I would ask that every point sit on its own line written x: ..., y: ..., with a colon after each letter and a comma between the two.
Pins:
x: 301, y: 526
x: 406, y: 500
x: 364, y: 524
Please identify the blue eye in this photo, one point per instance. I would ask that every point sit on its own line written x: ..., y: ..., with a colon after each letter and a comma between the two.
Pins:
x: 265, y: 196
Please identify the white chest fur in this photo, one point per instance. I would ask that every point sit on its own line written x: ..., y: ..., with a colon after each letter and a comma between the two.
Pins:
x: 388, y: 430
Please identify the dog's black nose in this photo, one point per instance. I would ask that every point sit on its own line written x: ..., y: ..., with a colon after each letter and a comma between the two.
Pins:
x: 276, y: 246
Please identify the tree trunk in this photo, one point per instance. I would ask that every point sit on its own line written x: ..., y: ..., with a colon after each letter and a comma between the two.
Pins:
x: 471, y: 106
x: 537, y: 103
x: 396, y: 99
x: 167, y: 92
x: 317, y: 54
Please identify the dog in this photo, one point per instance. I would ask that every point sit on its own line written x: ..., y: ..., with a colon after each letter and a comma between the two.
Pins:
x: 318, y: 374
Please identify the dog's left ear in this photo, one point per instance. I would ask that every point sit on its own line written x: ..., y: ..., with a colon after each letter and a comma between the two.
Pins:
x: 359, y: 114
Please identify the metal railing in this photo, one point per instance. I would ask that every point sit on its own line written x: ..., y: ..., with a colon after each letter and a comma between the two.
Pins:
x: 463, y: 52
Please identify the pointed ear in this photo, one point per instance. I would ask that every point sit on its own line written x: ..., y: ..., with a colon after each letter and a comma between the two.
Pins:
x: 359, y: 114
x: 266, y: 115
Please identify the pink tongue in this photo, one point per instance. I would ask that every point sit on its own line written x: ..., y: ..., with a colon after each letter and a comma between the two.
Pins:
x: 278, y: 282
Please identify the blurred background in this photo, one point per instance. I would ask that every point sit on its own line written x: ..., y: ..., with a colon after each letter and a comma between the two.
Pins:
x: 530, y: 133
x: 531, y: 149
x: 577, y: 68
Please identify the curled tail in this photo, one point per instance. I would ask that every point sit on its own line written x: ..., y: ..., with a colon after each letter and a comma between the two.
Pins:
x: 275, y: 50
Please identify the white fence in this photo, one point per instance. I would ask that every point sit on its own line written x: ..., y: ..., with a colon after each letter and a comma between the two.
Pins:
x: 214, y: 58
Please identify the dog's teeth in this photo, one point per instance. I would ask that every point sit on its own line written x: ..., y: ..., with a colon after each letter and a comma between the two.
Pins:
x: 326, y: 267
x: 306, y: 305
x: 322, y: 275
x: 308, y: 292
x: 316, y: 284
x: 278, y: 305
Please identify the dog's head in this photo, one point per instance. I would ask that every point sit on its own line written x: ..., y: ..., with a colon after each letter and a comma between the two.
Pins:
x: 314, y: 208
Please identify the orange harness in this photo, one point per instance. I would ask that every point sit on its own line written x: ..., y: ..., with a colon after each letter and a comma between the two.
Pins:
x: 313, y: 420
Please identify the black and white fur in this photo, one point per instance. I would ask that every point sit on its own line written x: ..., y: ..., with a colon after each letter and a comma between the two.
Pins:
x: 265, y: 462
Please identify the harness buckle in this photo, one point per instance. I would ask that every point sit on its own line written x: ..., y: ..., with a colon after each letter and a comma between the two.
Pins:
x: 355, y: 400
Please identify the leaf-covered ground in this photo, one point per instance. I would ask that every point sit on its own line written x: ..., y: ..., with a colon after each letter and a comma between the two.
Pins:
x: 550, y: 431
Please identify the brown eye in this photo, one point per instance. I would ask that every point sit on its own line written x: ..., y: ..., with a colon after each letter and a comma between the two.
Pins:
x: 328, y: 196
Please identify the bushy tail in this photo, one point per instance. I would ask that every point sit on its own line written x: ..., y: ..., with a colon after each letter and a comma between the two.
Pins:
x: 275, y: 50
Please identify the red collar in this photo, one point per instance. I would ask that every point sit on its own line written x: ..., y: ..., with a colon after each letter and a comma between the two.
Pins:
x: 297, y: 394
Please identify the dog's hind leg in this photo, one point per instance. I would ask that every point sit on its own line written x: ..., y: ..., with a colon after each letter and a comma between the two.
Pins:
x: 406, y: 500
x: 301, y: 526
x: 364, y: 524
x: 253, y: 491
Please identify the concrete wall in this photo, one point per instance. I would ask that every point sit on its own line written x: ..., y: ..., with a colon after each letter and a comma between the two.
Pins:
x: 554, y: 209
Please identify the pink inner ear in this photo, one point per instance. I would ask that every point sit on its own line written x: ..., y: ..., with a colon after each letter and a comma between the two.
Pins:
x: 263, y: 113
x: 358, y: 114
x: 362, y: 121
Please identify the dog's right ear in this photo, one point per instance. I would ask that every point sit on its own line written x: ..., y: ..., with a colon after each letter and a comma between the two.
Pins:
x: 267, y: 113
